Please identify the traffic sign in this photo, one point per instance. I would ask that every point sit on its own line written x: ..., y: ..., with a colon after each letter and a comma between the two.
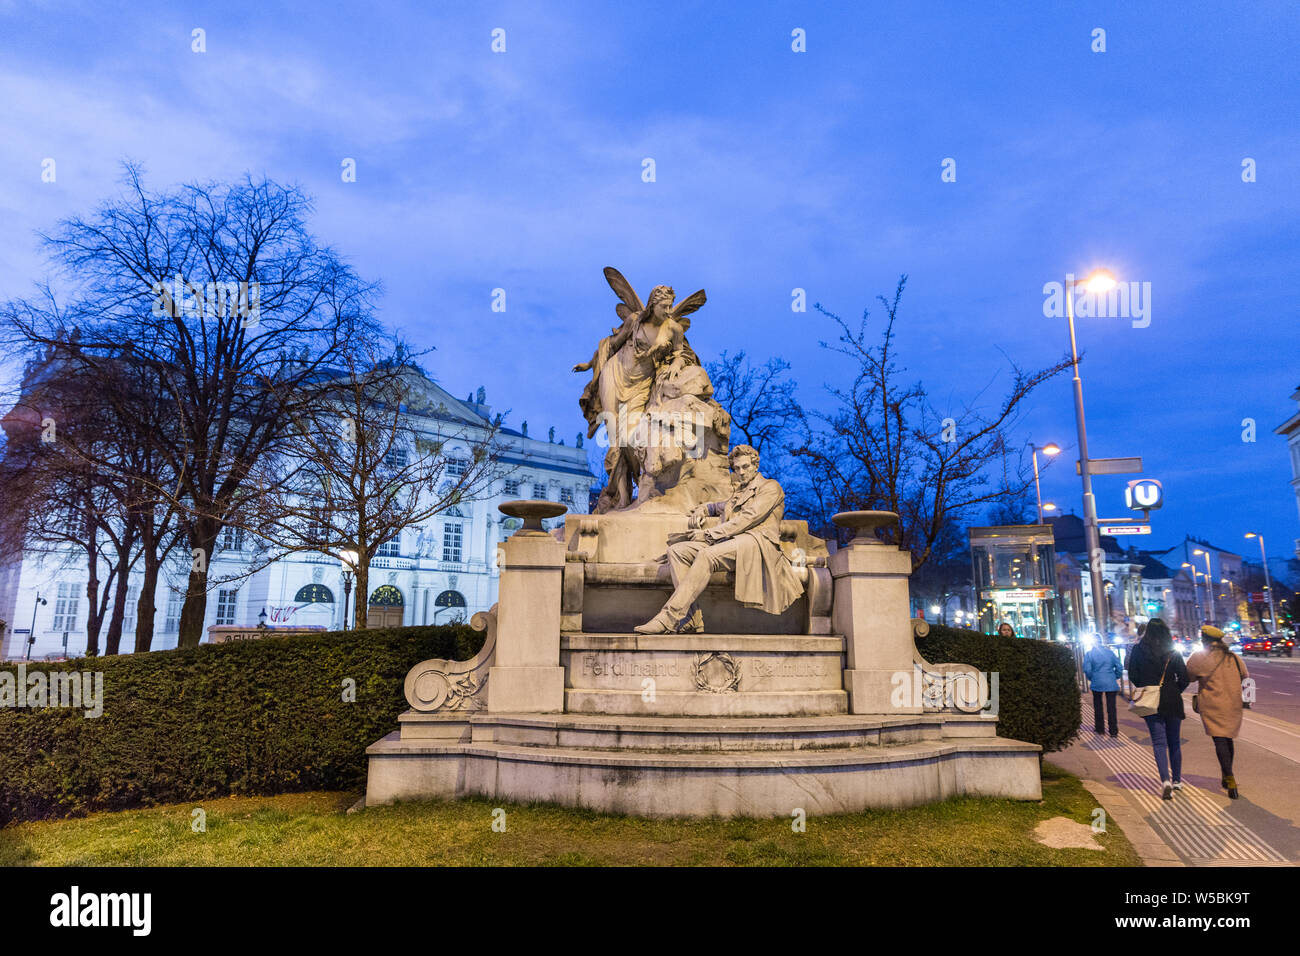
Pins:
x: 1144, y: 494
x: 1114, y: 529
x: 1111, y: 466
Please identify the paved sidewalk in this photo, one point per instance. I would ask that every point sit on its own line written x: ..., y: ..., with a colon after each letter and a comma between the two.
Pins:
x: 1200, y: 826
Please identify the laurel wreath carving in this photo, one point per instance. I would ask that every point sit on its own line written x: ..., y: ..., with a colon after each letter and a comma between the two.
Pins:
x: 732, y: 681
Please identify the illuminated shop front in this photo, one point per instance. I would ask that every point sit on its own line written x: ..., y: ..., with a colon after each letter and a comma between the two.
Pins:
x: 1014, y: 572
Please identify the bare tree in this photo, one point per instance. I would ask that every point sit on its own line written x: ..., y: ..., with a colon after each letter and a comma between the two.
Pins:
x: 223, y: 293
x: 886, y: 447
x: 58, y: 501
x: 362, y: 466
x: 761, y: 401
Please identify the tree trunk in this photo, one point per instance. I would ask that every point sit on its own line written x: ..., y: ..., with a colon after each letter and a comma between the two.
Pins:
x: 203, y: 538
x: 113, y: 640
x: 146, y: 609
x: 94, y: 613
x: 363, y: 591
x: 194, y: 610
x: 94, y: 606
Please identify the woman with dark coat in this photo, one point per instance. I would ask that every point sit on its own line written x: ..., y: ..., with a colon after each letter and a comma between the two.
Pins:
x: 1153, y: 661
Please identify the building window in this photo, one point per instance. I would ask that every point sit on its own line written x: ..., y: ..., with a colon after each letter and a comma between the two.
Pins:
x: 172, y: 623
x: 232, y: 539
x: 391, y: 549
x: 512, y: 486
x: 539, y: 491
x: 132, y: 600
x: 386, y: 596
x: 452, y: 537
x: 456, y: 466
x: 314, y: 594
x: 226, y: 606
x: 65, y: 607
x: 395, y: 458
x: 566, y: 496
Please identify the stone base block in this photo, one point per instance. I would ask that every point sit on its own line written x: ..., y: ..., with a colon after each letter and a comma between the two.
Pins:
x: 526, y: 690
x: 874, y: 692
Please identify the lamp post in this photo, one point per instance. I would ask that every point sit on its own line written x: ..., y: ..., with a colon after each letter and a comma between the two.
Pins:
x: 31, y: 633
x: 1099, y: 281
x: 1050, y: 449
x: 1196, y: 593
x: 1209, y: 584
x: 1268, y: 583
x: 349, y: 562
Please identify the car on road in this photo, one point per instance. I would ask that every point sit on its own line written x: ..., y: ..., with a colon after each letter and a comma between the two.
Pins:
x: 1268, y: 645
x: 1283, y: 644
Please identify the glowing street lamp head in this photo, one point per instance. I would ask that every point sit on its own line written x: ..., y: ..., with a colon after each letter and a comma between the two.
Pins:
x: 1051, y: 448
x: 1049, y: 506
x: 1251, y: 534
x: 1099, y: 281
x: 1198, y: 551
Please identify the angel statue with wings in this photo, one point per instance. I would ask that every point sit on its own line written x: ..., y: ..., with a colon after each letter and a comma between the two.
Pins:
x: 649, y: 343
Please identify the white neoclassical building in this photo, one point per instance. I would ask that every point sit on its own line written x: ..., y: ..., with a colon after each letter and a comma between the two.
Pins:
x: 441, y: 570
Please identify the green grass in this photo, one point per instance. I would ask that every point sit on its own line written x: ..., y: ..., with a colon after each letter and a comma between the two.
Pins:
x: 314, y: 829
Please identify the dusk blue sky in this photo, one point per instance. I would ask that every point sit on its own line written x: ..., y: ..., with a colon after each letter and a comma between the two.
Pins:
x: 775, y: 170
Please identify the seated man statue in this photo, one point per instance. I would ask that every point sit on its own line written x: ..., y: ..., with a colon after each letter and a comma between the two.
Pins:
x: 747, y: 542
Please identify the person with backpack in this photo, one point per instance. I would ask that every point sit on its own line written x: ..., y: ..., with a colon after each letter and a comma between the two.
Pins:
x: 1103, y: 670
x: 1218, y: 698
x: 1155, y: 668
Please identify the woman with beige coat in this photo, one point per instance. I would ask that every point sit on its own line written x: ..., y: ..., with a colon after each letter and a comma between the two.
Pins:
x: 1218, y: 699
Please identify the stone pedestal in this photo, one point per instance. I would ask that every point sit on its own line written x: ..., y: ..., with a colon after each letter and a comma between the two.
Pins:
x: 872, y: 610
x: 718, y: 724
x: 526, y: 676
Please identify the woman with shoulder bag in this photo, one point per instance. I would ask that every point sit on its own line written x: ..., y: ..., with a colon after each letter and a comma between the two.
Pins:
x: 1158, y: 676
x: 1218, y: 698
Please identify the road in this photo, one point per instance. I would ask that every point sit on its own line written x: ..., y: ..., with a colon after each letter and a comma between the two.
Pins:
x: 1201, y: 826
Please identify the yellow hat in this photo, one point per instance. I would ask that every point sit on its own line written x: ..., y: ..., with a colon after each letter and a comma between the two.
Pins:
x: 1208, y: 630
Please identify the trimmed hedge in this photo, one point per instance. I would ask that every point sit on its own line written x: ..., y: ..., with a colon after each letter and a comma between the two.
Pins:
x: 1038, y: 699
x: 250, y: 717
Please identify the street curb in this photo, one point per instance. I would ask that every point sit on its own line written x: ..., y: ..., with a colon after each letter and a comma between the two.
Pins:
x: 1153, y: 850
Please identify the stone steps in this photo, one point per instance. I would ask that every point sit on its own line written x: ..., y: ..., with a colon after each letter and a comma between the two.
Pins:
x: 654, y: 781
x: 716, y: 734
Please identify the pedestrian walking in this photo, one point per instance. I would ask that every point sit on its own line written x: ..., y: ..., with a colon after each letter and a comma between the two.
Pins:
x: 1102, y: 668
x: 1218, y: 698
x: 1152, y: 663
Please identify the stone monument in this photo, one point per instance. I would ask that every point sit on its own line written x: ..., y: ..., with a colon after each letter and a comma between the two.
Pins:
x: 686, y: 650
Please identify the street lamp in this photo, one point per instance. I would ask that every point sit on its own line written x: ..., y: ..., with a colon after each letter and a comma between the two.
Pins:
x: 1050, y: 449
x: 1099, y: 281
x: 349, y: 562
x: 31, y: 633
x: 1209, y: 584
x: 1196, y: 592
x: 1268, y: 583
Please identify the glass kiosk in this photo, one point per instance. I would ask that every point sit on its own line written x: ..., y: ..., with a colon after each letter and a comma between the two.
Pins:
x: 1014, y: 571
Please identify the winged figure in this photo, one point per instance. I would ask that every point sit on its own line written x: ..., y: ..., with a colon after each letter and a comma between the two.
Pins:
x: 648, y: 338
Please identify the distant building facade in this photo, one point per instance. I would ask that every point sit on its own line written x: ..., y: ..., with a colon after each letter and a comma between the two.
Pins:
x: 442, y: 570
